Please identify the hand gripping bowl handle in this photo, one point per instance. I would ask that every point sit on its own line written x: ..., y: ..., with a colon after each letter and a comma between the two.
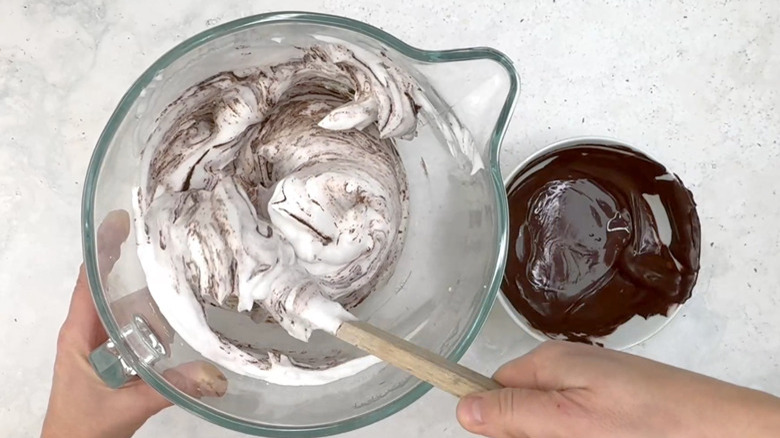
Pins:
x: 108, y: 363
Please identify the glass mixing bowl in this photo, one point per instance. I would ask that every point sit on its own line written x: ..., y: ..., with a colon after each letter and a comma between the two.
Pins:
x: 445, y: 281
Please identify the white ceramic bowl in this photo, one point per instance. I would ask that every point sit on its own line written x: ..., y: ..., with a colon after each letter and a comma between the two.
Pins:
x: 634, y: 331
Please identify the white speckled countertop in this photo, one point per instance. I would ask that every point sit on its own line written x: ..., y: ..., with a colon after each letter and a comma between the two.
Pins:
x: 694, y: 83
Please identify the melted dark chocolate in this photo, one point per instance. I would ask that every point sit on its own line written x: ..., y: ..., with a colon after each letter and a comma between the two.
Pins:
x: 598, y: 234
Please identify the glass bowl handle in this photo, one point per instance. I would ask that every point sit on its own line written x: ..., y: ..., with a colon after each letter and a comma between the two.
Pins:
x: 109, y: 364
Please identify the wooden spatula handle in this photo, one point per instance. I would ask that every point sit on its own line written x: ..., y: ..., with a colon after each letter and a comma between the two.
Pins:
x: 419, y: 362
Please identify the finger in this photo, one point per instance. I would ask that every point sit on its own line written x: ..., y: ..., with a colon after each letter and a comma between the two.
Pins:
x: 113, y: 231
x: 544, y: 368
x: 198, y: 379
x: 511, y: 413
x: 82, y: 329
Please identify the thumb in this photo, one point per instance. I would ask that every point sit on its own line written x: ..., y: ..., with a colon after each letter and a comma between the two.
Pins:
x: 507, y: 412
x: 196, y: 379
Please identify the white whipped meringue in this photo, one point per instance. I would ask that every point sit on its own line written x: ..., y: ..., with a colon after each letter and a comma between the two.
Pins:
x: 280, y: 188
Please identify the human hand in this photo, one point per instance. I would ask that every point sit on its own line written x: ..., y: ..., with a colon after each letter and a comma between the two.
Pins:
x: 80, y: 404
x: 563, y: 389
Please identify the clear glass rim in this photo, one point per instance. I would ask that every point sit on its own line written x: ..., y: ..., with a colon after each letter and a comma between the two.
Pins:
x: 89, y: 229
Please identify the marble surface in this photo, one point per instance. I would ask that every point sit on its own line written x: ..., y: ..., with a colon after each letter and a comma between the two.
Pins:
x: 694, y: 83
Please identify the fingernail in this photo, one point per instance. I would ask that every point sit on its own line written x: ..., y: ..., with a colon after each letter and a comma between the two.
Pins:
x: 471, y: 410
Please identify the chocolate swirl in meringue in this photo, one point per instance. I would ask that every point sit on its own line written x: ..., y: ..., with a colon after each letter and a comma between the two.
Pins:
x: 279, y: 190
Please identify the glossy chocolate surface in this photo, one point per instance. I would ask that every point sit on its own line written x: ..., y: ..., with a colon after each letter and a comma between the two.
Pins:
x: 598, y: 234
